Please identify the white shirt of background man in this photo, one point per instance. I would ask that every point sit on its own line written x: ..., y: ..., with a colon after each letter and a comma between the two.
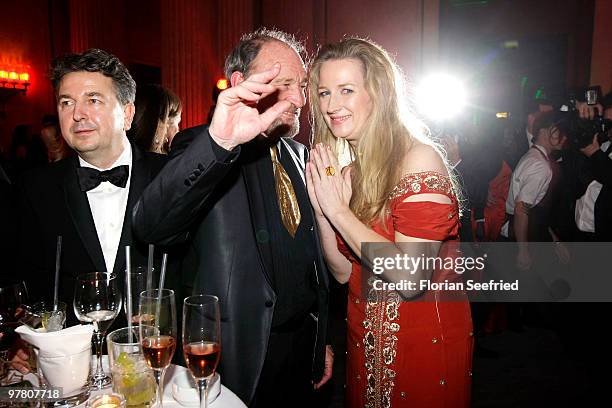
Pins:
x: 529, y: 182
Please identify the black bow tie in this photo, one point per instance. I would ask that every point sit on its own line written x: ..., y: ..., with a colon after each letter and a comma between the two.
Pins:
x: 91, y: 178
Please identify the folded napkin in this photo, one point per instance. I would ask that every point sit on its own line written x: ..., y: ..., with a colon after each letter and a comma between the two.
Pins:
x: 59, y: 343
x: 64, y: 356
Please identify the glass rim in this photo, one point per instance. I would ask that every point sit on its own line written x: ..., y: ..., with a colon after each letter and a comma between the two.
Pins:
x: 191, y: 300
x: 94, y: 276
x: 12, y: 286
x: 134, y: 329
x: 46, y: 303
x: 153, y: 293
x: 139, y: 270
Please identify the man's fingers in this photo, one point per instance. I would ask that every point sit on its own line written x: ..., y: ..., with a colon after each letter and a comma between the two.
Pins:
x: 237, y: 93
x: 274, y: 112
x: 265, y: 76
x: 322, y: 382
x: 20, y: 365
x: 21, y: 354
x: 326, y: 376
x: 258, y: 88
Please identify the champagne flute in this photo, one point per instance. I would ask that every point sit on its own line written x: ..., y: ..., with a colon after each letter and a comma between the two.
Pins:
x: 202, y: 340
x: 158, y: 335
x: 97, y: 300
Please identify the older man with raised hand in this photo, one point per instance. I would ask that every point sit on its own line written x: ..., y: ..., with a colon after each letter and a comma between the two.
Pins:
x: 236, y: 189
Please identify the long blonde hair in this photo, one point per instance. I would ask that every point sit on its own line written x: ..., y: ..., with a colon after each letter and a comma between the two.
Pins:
x: 384, y: 139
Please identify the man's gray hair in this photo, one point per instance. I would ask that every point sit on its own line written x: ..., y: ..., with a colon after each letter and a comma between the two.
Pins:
x: 243, y: 55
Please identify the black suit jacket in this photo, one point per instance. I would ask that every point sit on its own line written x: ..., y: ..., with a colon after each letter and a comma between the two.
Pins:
x: 51, y: 203
x: 602, y: 172
x: 221, y: 206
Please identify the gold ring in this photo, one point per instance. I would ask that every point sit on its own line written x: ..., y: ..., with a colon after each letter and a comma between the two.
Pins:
x: 330, y: 171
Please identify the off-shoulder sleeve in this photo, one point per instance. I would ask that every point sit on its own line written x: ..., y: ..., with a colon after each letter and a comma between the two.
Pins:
x: 424, y: 219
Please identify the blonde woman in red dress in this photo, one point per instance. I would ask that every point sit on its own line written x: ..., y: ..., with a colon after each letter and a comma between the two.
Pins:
x: 405, y: 348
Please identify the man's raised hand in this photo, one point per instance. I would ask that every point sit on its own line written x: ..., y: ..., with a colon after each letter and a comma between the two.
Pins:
x: 236, y: 119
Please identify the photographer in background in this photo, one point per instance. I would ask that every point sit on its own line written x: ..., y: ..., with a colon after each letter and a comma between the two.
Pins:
x: 593, y: 212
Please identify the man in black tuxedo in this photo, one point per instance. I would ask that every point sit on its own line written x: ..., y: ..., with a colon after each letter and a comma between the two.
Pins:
x: 253, y: 240
x: 85, y: 199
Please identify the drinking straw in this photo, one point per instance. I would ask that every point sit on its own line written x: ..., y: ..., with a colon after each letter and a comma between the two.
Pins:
x: 162, y: 278
x: 150, y: 267
x: 58, y: 254
x: 128, y: 295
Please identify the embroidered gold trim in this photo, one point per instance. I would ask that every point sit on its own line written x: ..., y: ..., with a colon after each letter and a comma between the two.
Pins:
x: 380, y: 346
x: 413, y: 182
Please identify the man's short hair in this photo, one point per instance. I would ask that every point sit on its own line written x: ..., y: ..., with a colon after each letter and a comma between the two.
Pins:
x: 243, y: 55
x: 96, y: 60
x: 545, y: 120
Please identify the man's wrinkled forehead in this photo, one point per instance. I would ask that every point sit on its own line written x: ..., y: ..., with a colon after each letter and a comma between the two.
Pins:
x: 275, y: 51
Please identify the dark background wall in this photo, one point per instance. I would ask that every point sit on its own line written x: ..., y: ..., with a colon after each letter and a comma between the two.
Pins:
x: 181, y: 43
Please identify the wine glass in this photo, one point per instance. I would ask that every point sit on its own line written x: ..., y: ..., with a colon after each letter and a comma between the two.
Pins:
x: 12, y: 297
x: 202, y: 340
x: 97, y: 300
x: 138, y: 285
x: 157, y: 311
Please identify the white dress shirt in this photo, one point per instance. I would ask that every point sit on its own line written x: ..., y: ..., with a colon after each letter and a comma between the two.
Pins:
x: 108, y: 203
x: 529, y: 182
x: 585, y: 205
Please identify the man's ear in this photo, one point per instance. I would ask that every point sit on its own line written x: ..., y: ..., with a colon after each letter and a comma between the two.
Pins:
x: 128, y: 115
x: 237, y: 78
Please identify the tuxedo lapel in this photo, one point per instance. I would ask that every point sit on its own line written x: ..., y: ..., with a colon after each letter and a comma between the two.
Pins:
x: 80, y: 212
x: 139, y: 179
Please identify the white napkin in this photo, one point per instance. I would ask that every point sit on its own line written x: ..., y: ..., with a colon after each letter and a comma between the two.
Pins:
x: 64, y: 356
x: 59, y: 343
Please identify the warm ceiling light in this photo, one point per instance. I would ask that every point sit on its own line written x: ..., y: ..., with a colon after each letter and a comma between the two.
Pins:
x: 12, y: 80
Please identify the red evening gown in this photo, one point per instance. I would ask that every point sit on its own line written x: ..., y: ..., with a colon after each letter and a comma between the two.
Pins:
x: 418, y: 353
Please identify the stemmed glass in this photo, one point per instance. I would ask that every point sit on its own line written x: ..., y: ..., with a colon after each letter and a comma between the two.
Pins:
x: 97, y: 300
x: 157, y: 311
x: 138, y: 285
x: 12, y: 297
x: 202, y: 340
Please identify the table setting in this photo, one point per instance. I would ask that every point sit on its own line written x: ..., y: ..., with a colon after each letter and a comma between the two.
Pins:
x: 137, y: 371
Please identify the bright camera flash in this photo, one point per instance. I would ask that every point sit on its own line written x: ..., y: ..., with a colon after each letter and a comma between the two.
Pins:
x: 440, y: 96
